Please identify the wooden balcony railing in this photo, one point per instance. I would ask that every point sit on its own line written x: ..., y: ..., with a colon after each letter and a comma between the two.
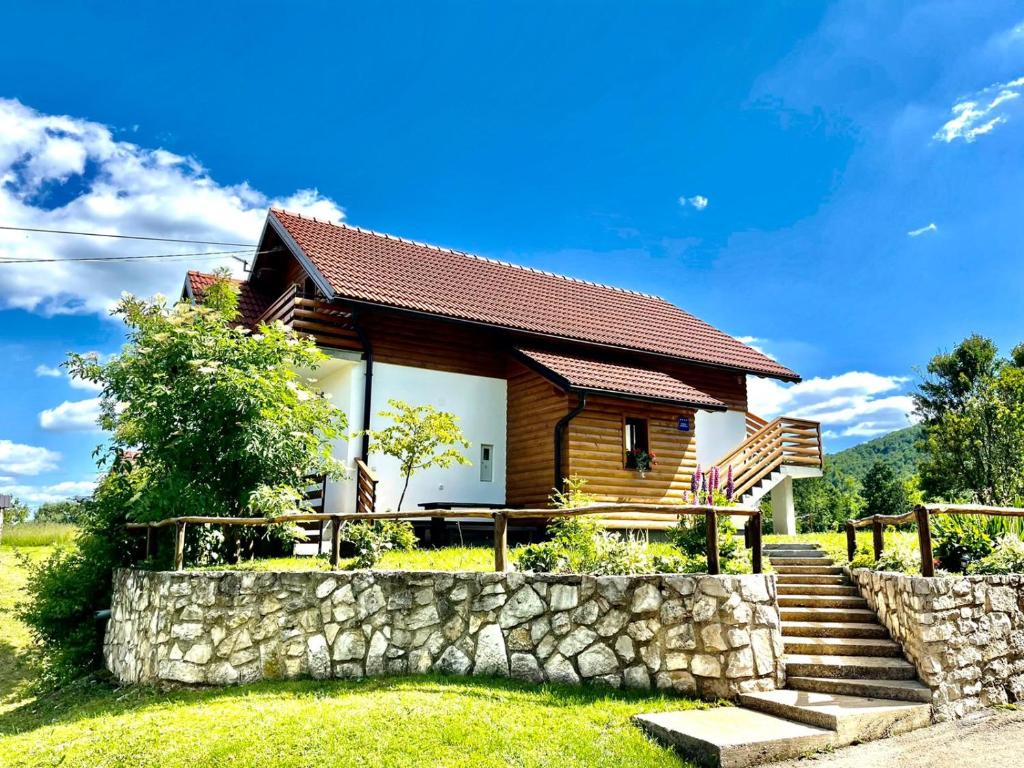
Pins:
x: 329, y: 324
x: 784, y: 441
x: 366, y: 488
x: 754, y: 423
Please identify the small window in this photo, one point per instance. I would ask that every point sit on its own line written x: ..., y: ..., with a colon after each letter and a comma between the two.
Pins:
x: 634, y: 433
x: 486, y: 463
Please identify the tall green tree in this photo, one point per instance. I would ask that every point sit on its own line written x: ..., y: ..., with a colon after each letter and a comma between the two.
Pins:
x: 884, y: 492
x: 826, y: 503
x: 215, y: 419
x: 420, y: 437
x: 972, y: 405
x: 68, y: 511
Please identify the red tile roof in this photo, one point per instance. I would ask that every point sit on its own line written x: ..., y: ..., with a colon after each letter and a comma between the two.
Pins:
x: 250, y: 303
x: 617, y: 378
x: 371, y: 267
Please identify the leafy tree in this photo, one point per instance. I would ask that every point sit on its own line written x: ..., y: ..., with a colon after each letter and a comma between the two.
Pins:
x: 972, y: 404
x: 884, y: 493
x: 16, y: 513
x: 213, y: 418
x: 826, y: 503
x: 68, y: 511
x: 420, y: 437
x: 204, y: 417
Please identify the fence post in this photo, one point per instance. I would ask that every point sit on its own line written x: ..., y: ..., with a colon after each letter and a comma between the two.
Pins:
x: 711, y: 521
x: 335, y: 541
x: 755, y: 542
x: 924, y: 539
x: 500, y: 541
x: 179, y: 546
x: 149, y: 540
x: 851, y: 541
x: 876, y: 538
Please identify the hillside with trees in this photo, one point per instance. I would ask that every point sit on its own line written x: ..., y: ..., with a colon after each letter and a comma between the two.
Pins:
x: 898, y: 450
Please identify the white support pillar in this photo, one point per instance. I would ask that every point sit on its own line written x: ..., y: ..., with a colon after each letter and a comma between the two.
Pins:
x: 783, y: 507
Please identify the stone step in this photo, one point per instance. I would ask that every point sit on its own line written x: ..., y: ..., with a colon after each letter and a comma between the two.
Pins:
x: 818, y: 589
x: 786, y: 546
x: 834, y: 629
x: 903, y: 690
x: 822, y: 601
x: 853, y: 718
x: 809, y: 578
x: 816, y: 570
x: 870, y: 667
x: 786, y: 554
x: 841, y: 646
x: 803, y: 560
x: 856, y: 615
x: 734, y: 737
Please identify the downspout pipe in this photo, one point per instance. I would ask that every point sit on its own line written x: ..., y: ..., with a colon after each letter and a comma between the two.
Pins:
x: 364, y: 341
x: 560, y: 428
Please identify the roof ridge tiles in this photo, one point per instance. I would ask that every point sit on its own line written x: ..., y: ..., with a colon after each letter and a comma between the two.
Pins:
x: 485, y: 259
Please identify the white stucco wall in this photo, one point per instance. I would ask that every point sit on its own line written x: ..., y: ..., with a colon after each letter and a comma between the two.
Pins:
x: 718, y: 433
x: 478, y: 401
x: 480, y: 404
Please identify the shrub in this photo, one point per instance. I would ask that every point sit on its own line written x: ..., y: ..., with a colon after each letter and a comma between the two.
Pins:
x: 691, y: 538
x: 1006, y: 557
x: 899, y: 559
x: 963, y: 539
x: 372, y: 539
x: 66, y: 589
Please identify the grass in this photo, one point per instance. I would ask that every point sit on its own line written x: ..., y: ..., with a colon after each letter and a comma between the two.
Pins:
x: 410, y: 722
x: 16, y: 672
x: 38, y: 534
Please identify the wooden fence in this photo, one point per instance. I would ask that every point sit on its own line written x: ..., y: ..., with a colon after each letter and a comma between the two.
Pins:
x: 500, y: 517
x: 920, y: 515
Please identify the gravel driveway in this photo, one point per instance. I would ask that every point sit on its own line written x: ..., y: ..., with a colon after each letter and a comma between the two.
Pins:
x: 992, y: 738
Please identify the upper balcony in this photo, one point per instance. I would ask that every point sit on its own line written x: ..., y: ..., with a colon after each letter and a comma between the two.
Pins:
x: 329, y: 324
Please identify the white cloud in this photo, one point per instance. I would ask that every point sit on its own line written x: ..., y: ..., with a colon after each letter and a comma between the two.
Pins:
x: 72, y: 416
x: 34, y: 495
x: 697, y: 201
x: 62, y: 172
x: 852, y: 404
x: 922, y: 230
x: 21, y: 459
x: 981, y: 112
x: 49, y: 371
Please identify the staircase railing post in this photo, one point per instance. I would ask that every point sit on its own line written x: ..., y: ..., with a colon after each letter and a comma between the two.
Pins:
x: 755, y: 536
x: 335, y: 541
x: 711, y: 521
x: 876, y: 537
x: 179, y: 546
x: 924, y: 540
x: 851, y: 541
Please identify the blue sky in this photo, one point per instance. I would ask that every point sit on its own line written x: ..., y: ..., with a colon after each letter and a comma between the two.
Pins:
x: 840, y: 182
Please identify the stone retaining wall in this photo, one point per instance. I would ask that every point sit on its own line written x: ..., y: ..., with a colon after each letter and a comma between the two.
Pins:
x: 711, y: 635
x: 965, y: 634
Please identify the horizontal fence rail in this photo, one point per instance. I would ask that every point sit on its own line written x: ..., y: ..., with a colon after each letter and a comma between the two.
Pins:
x: 921, y: 515
x: 500, y: 517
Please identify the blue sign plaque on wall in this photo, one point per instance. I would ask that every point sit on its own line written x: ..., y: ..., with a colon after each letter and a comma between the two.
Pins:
x: 684, y: 423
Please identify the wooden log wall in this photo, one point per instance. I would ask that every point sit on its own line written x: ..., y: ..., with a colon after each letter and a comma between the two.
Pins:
x: 534, y: 407
x: 596, y: 450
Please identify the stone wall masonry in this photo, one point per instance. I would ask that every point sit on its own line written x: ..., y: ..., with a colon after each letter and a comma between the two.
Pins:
x: 714, y: 636
x: 965, y: 634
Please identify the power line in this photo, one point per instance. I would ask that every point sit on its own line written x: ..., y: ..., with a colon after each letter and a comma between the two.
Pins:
x: 205, y: 254
x: 122, y: 237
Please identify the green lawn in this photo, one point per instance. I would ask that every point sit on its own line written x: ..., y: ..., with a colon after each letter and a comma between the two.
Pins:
x: 401, y: 722
x: 38, y: 534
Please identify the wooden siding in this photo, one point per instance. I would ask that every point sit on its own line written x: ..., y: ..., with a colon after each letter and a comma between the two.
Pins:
x: 423, y: 342
x: 596, y: 451
x: 728, y: 386
x: 534, y: 407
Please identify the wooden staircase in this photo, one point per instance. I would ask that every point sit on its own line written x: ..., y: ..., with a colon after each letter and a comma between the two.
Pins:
x: 846, y: 680
x: 759, y: 463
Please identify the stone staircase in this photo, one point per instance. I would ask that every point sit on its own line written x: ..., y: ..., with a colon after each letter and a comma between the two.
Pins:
x: 846, y: 680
